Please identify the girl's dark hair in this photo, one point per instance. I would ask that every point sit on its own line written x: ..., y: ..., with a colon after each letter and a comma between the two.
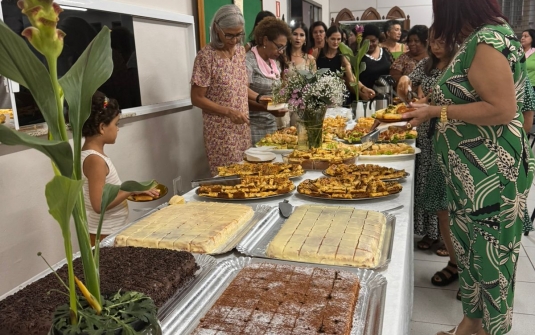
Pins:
x: 314, y: 25
x: 372, y: 30
x: 100, y: 114
x: 259, y: 17
x: 421, y: 31
x: 304, y: 47
x: 531, y: 33
x: 452, y: 16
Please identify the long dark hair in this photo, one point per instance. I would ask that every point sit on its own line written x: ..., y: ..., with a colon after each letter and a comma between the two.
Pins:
x: 433, y: 61
x: 330, y: 31
x: 314, y: 25
x: 304, y: 47
x: 452, y: 16
x: 531, y: 33
x: 259, y: 17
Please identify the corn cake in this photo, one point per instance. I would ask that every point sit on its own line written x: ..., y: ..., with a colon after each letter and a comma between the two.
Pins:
x: 199, y: 227
x: 333, y: 235
x: 281, y: 299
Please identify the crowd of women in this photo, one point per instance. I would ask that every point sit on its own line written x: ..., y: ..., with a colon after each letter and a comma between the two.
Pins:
x: 474, y: 80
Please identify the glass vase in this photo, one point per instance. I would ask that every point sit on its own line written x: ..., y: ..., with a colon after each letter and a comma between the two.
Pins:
x: 310, y: 129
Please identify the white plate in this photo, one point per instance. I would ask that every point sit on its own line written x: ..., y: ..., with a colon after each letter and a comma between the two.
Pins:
x: 388, y: 157
x: 274, y: 107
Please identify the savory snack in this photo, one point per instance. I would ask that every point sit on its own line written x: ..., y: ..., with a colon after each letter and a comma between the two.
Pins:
x: 320, y: 159
x: 2, y: 118
x: 392, y: 134
x: 393, y: 112
x: 348, y: 187
x: 282, y: 170
x: 282, y: 139
x: 331, y: 235
x: 200, y: 227
x: 365, y: 170
x: 334, y: 126
x: 284, y: 299
x: 386, y: 149
x: 250, y: 187
x: 177, y: 200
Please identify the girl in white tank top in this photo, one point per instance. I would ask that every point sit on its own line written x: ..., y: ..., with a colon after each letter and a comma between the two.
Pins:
x: 101, y: 128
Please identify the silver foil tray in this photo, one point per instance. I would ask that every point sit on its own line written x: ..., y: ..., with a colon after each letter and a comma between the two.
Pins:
x: 206, y: 264
x: 255, y: 243
x: 367, y: 319
x: 261, y: 214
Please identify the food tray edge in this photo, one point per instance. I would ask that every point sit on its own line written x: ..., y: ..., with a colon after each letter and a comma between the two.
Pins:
x: 184, y: 319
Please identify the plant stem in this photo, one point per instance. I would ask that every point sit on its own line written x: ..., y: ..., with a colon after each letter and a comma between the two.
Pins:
x: 90, y: 271
x: 72, y: 287
x: 58, y: 94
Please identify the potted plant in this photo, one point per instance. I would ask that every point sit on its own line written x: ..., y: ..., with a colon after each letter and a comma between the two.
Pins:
x: 309, y: 94
x: 123, y: 312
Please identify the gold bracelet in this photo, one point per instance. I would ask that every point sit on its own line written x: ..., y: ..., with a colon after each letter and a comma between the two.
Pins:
x: 444, y: 114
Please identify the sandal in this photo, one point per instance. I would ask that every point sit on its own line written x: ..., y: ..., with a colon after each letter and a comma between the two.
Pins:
x: 425, y: 243
x: 444, y: 280
x: 442, y: 251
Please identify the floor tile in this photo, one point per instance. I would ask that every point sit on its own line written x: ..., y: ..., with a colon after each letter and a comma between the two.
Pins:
x: 522, y: 252
x: 436, y: 306
x: 522, y: 324
x: 525, y: 270
x: 529, y: 241
x: 424, y: 270
x: 524, y: 298
x: 530, y: 252
x: 422, y: 328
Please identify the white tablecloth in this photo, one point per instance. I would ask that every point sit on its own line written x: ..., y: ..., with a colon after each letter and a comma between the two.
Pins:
x: 399, y: 273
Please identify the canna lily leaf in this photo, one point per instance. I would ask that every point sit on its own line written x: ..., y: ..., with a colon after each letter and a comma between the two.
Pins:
x: 362, y: 67
x: 59, y: 152
x: 110, y: 193
x: 363, y: 49
x: 345, y: 50
x: 18, y: 63
x: 89, y: 72
x: 61, y: 196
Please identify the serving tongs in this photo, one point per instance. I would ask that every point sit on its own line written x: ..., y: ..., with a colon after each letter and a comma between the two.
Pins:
x: 377, y: 128
x: 227, y: 181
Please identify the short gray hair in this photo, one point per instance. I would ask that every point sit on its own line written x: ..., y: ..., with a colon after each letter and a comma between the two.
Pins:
x: 228, y: 16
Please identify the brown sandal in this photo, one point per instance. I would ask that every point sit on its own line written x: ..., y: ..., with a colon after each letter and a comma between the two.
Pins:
x: 442, y: 251
x: 425, y: 243
x: 442, y: 275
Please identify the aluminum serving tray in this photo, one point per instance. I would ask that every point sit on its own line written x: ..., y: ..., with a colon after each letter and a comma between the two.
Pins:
x: 261, y: 214
x: 206, y: 264
x: 255, y: 243
x: 368, y: 316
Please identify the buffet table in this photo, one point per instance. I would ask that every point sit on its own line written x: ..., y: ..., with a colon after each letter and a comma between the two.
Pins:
x: 399, y: 273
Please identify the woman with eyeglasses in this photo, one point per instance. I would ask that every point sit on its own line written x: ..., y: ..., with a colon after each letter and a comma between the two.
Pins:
x: 219, y: 87
x: 406, y: 63
x: 317, y: 38
x: 264, y: 67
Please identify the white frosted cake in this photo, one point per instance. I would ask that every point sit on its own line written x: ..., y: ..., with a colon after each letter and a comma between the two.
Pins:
x: 330, y: 235
x: 199, y: 227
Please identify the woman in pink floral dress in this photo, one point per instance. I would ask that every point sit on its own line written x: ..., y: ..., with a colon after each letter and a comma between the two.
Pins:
x: 219, y: 86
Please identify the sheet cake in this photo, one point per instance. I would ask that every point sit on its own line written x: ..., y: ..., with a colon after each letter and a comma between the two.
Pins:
x: 330, y: 235
x: 280, y: 299
x: 199, y: 227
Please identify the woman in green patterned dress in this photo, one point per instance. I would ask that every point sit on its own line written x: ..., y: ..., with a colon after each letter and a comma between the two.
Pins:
x: 483, y: 151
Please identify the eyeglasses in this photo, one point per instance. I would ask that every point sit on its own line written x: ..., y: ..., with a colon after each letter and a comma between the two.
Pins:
x: 279, y: 47
x: 230, y: 37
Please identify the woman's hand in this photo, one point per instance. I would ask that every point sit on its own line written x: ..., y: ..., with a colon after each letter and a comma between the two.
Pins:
x: 422, y: 114
x: 153, y: 192
x: 403, y: 86
x: 366, y: 93
x: 236, y: 116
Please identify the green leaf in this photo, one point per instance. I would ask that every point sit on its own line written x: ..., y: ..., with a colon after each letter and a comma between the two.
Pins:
x: 89, y: 72
x: 58, y: 151
x: 362, y: 67
x: 61, y: 195
x: 18, y: 63
x: 345, y: 50
x: 363, y: 49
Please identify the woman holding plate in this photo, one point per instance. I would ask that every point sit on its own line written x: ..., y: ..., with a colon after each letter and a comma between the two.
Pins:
x: 484, y: 155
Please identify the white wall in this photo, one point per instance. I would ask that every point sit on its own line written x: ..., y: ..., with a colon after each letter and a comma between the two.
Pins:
x: 420, y: 11
x: 160, y: 146
x: 325, y: 7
